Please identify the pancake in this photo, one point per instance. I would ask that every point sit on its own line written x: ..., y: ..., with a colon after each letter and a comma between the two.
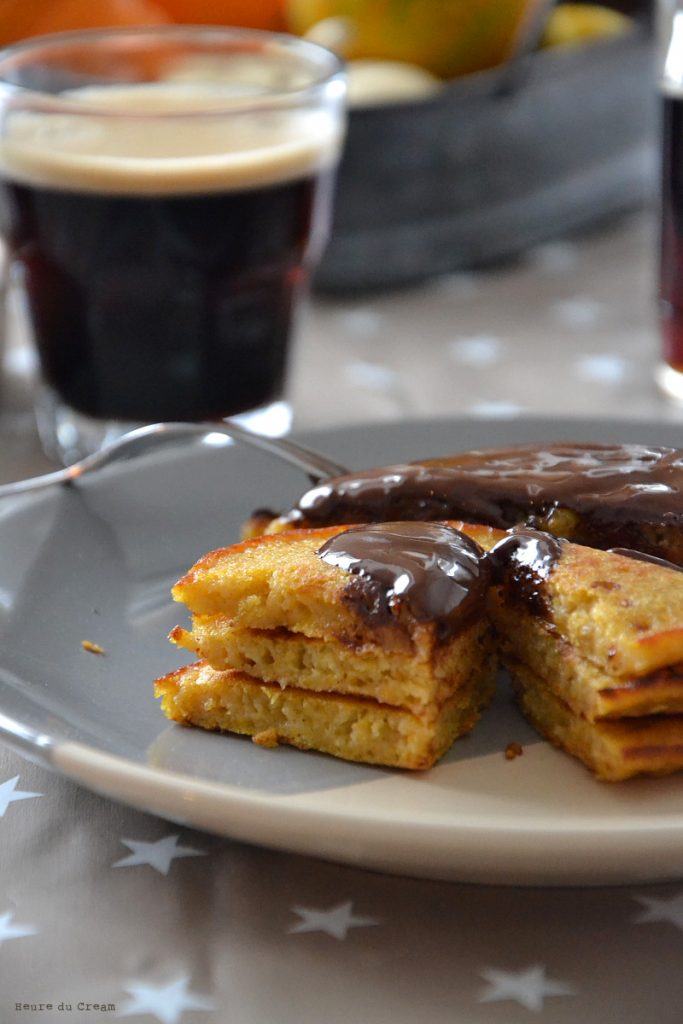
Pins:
x: 589, y: 689
x: 352, y: 728
x: 390, y: 620
x: 593, y: 641
x: 367, y: 670
x: 614, y: 750
x: 621, y: 614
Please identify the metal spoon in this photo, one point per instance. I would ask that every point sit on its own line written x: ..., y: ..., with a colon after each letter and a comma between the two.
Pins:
x: 157, y: 435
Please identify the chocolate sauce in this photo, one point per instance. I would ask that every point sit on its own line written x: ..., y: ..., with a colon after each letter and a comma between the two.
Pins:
x: 437, y: 573
x: 610, y: 487
x: 522, y: 563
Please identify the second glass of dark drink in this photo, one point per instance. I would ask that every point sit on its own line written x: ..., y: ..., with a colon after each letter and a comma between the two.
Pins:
x: 669, y: 372
x: 164, y: 196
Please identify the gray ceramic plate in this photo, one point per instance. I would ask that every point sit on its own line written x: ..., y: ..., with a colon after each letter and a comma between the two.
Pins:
x: 95, y: 562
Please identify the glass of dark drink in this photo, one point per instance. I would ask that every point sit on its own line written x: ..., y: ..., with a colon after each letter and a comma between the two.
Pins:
x: 670, y: 369
x: 165, y: 194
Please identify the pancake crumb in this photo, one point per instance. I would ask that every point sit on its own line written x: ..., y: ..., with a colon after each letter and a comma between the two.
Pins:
x: 513, y: 750
x: 92, y: 648
x: 267, y: 738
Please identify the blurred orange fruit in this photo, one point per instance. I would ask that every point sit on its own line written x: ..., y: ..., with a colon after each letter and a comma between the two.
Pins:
x: 266, y: 14
x: 65, y: 15
x: 447, y: 37
x: 22, y: 18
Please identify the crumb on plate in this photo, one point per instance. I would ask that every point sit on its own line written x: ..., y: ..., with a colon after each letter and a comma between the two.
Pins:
x: 513, y: 750
x: 88, y: 645
x: 266, y: 738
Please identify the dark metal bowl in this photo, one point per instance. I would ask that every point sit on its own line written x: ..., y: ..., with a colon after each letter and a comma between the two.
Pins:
x: 471, y: 178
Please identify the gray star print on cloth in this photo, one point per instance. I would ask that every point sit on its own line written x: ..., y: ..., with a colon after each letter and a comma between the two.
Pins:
x: 13, y: 931
x: 336, y: 921
x: 663, y: 908
x: 158, y: 855
x: 166, y: 1002
x: 528, y: 987
x: 9, y: 793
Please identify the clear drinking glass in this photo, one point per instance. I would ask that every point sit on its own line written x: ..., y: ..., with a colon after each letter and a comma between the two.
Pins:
x: 164, y: 194
x: 670, y: 45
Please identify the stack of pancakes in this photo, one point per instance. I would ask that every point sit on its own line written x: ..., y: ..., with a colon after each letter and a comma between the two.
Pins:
x: 593, y: 641
x: 292, y: 650
x: 297, y: 648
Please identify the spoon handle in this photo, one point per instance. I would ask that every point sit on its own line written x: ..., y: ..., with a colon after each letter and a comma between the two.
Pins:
x: 314, y: 464
x: 144, y: 439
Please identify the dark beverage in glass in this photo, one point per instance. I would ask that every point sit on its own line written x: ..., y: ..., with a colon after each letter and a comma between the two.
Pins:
x: 164, y: 196
x: 165, y: 307
x: 671, y: 254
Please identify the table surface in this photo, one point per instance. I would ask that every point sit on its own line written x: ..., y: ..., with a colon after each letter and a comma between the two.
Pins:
x: 109, y: 912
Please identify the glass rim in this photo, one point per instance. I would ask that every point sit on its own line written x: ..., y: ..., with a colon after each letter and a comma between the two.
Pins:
x: 37, y: 99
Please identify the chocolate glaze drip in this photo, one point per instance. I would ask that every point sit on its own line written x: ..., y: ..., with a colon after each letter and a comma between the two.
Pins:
x: 522, y: 563
x: 437, y: 573
x: 441, y: 575
x: 608, y: 486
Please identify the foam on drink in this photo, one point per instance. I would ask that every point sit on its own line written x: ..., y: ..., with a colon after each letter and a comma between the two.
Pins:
x: 166, y: 138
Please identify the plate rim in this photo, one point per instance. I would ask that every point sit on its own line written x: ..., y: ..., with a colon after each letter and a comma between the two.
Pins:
x: 77, y: 753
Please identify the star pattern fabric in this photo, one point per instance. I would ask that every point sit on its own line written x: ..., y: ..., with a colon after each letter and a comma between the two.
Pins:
x: 9, y: 793
x: 665, y: 909
x: 165, y: 1002
x: 335, y: 922
x: 528, y: 987
x: 13, y: 931
x: 158, y: 855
